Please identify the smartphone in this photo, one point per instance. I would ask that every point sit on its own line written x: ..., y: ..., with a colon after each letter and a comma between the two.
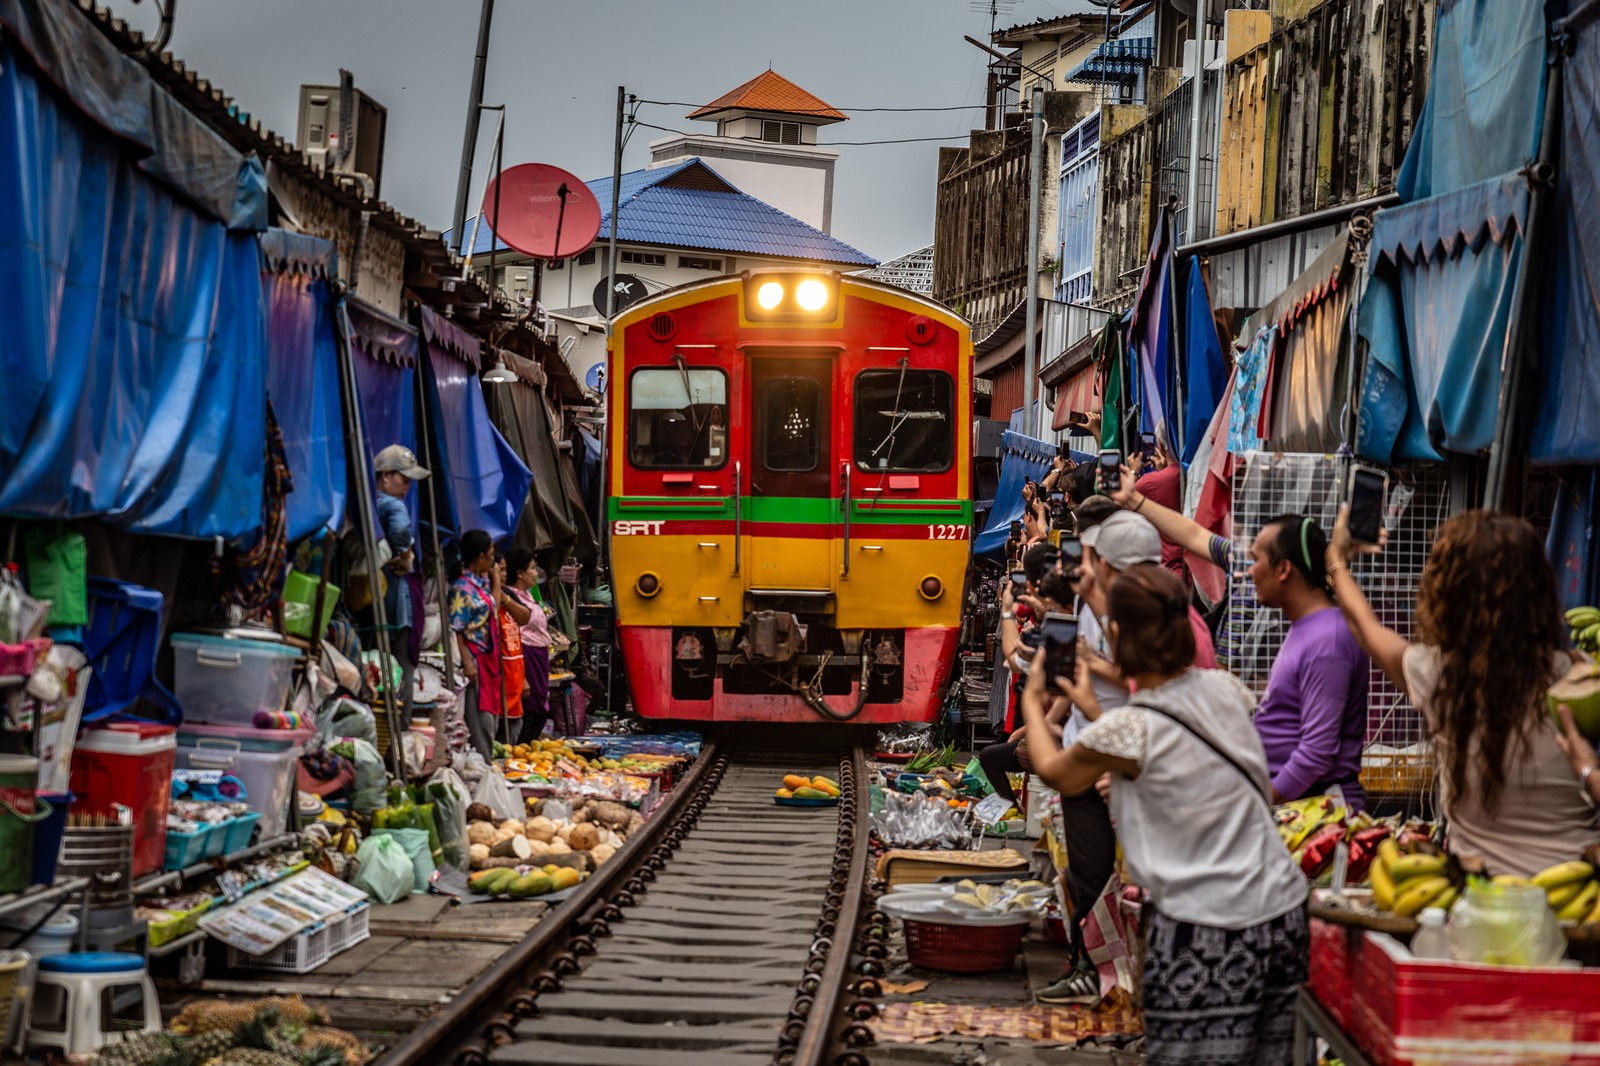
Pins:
x: 1019, y: 583
x: 1071, y: 549
x: 1147, y: 446
x: 1016, y: 529
x: 1078, y: 418
x: 1064, y: 450
x: 1110, y: 471
x: 1060, y: 645
x: 1369, y: 490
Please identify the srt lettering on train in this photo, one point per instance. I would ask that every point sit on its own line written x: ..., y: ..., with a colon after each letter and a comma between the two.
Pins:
x: 636, y: 529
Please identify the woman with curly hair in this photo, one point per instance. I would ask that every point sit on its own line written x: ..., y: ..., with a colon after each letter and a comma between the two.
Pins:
x: 1492, y: 640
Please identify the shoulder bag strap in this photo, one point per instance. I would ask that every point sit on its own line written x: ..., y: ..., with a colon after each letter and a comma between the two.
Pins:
x: 1149, y: 705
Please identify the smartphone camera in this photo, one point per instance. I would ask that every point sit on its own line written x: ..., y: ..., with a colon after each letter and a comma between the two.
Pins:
x: 1110, y: 471
x: 1060, y: 645
x: 1019, y: 583
x: 1369, y: 490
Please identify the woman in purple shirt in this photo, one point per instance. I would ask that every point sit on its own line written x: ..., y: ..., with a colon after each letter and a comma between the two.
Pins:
x: 1313, y: 715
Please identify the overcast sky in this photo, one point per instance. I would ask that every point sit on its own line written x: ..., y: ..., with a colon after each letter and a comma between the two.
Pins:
x: 557, y: 67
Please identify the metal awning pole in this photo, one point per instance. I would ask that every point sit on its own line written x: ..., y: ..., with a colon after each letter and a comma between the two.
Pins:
x: 469, y: 141
x: 366, y: 527
x: 441, y: 587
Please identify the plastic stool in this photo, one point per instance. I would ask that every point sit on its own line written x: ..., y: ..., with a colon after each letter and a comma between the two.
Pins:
x: 67, y: 1014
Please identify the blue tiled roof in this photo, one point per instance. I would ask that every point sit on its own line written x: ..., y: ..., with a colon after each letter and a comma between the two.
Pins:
x: 673, y: 206
x: 1119, y: 58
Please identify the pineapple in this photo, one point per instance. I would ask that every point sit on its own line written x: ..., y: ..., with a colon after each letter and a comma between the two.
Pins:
x: 210, y: 1045
x: 137, y: 1050
x: 241, y: 1056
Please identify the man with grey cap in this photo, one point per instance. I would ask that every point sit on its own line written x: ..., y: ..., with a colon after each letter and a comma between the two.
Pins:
x: 396, y: 467
x: 1123, y: 540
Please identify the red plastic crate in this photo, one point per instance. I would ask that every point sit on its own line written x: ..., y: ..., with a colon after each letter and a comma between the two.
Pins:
x: 128, y: 764
x: 1415, y: 1012
x: 1334, y: 950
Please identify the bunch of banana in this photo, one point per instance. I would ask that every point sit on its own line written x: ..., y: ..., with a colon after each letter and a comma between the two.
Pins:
x: 1571, y: 889
x: 1585, y: 625
x: 1406, y: 884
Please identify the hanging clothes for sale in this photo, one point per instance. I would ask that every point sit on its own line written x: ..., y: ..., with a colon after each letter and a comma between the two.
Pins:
x: 1206, y: 370
x: 1249, y: 390
x: 1150, y: 330
x: 1111, y: 360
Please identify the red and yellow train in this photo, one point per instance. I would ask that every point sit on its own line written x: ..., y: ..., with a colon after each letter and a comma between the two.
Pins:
x: 790, y: 514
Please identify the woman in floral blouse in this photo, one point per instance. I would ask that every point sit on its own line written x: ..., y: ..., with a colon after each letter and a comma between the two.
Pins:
x: 476, y: 599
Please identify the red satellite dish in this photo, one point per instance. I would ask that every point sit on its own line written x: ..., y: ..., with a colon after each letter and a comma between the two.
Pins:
x: 544, y: 211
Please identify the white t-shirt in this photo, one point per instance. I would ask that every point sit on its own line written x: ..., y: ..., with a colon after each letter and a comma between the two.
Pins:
x: 1110, y: 694
x: 1195, y: 833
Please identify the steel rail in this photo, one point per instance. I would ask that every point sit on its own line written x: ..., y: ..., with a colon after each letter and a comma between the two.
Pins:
x: 825, y: 1019
x: 550, y: 950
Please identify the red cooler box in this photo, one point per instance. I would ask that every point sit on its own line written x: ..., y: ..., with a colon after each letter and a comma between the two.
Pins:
x: 128, y: 763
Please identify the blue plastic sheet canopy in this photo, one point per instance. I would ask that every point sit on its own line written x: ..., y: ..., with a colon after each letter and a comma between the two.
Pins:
x: 1022, y: 458
x: 1567, y: 429
x: 133, y: 358
x: 1444, y: 264
x: 1206, y: 373
x: 383, y: 354
x: 303, y: 375
x: 485, y: 483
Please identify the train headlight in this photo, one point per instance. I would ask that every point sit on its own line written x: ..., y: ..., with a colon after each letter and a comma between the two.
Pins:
x: 931, y: 588
x: 811, y: 295
x: 647, y: 584
x: 769, y: 295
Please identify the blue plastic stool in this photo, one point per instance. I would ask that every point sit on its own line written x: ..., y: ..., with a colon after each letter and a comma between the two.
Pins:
x: 65, y: 1009
x: 121, y: 640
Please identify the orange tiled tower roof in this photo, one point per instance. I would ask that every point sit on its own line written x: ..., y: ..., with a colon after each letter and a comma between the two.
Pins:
x: 771, y: 92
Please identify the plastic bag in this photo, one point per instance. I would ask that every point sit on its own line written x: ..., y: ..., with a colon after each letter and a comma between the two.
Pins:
x: 419, y: 857
x: 345, y: 717
x: 450, y: 802
x: 499, y: 795
x: 384, y: 869
x: 372, y: 778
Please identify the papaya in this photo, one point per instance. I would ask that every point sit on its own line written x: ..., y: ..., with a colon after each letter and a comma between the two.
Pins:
x: 824, y: 785
x: 480, y: 881
x: 796, y: 781
x: 809, y: 793
x: 494, y: 882
x: 565, y: 877
x: 531, y: 885
x: 784, y: 793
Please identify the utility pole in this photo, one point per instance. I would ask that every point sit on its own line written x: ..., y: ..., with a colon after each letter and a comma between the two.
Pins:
x: 1030, y: 348
x: 469, y: 140
x: 616, y: 192
x: 1196, y: 79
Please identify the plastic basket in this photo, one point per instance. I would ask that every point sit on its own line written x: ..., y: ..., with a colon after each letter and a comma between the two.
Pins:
x: 302, y: 588
x: 963, y: 948
x: 14, y: 988
x: 120, y: 641
x: 239, y: 830
x: 186, y: 849
x: 1399, y: 774
x: 305, y: 951
x: 350, y: 929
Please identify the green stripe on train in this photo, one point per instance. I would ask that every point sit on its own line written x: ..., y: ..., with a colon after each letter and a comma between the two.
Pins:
x: 798, y: 510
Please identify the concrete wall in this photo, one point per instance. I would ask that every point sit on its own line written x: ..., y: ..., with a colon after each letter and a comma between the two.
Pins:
x: 796, y: 179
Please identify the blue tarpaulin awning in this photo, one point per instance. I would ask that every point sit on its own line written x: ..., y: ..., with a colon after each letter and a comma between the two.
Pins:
x: 383, y: 354
x: 134, y: 350
x: 483, y: 479
x: 1023, y: 458
x: 303, y: 375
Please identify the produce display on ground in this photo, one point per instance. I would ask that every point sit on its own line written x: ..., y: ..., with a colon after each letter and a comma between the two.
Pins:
x: 798, y: 786
x: 281, y: 1031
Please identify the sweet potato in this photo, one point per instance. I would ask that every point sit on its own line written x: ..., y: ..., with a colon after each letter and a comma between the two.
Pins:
x: 583, y: 837
x: 481, y: 833
x: 610, y: 814
x: 477, y: 854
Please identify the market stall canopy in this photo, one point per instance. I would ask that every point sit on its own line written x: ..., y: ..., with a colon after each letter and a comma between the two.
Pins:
x: 117, y: 95
x: 1444, y: 264
x: 383, y: 354
x: 303, y: 375
x: 484, y: 482
x: 1567, y: 430
x: 1022, y: 458
x: 135, y: 335
x: 522, y: 413
x: 1308, y: 390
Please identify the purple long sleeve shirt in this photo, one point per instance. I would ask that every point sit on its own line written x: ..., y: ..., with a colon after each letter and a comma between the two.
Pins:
x: 1313, y: 716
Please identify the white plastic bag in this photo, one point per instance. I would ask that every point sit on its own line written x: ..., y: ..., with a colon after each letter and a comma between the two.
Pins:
x: 499, y: 795
x: 420, y: 857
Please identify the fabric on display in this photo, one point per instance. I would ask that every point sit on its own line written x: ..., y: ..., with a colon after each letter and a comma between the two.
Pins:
x: 1571, y: 543
x: 1110, y: 358
x: 251, y: 576
x: 1206, y: 370
x: 303, y: 375
x: 1435, y: 316
x: 1249, y: 389
x: 1308, y: 393
x: 134, y: 359
x: 522, y: 413
x: 485, y: 483
x: 1566, y: 430
x: 1150, y: 329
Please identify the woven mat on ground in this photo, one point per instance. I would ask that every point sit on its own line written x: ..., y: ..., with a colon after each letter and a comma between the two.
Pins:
x: 1115, y: 1017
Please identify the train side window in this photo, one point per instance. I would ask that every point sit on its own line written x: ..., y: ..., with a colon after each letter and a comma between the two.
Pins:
x: 791, y: 424
x: 904, y: 420
x: 677, y: 418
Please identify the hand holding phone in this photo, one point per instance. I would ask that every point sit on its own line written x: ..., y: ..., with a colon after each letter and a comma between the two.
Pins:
x: 1019, y: 583
x: 1368, y: 498
x: 1109, y: 472
x: 1060, y: 646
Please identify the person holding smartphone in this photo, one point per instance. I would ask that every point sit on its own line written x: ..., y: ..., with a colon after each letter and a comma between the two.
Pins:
x: 1227, y: 933
x: 1164, y: 485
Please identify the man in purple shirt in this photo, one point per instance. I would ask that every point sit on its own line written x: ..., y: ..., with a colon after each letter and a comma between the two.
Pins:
x: 1313, y: 716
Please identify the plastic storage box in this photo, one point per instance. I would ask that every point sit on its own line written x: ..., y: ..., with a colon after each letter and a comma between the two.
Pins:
x: 128, y: 764
x: 268, y: 775
x: 226, y: 681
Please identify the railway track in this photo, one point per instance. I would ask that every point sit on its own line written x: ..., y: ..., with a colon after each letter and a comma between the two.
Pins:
x: 728, y: 930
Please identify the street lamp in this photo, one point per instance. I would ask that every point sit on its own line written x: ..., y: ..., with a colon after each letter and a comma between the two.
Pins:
x: 1030, y: 348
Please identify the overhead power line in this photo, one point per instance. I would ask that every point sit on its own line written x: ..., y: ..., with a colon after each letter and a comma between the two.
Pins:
x: 825, y: 110
x: 819, y: 144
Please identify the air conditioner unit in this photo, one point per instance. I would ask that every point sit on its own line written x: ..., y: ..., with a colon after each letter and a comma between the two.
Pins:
x: 342, y: 131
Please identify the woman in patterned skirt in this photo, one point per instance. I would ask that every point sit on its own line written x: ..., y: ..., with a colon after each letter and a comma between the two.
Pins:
x: 1225, y: 930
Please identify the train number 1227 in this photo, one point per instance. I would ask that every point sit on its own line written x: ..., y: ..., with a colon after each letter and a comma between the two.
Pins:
x: 943, y: 532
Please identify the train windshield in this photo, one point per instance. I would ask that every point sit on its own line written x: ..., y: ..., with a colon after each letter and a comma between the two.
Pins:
x: 677, y: 418
x: 904, y: 420
x: 792, y: 424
